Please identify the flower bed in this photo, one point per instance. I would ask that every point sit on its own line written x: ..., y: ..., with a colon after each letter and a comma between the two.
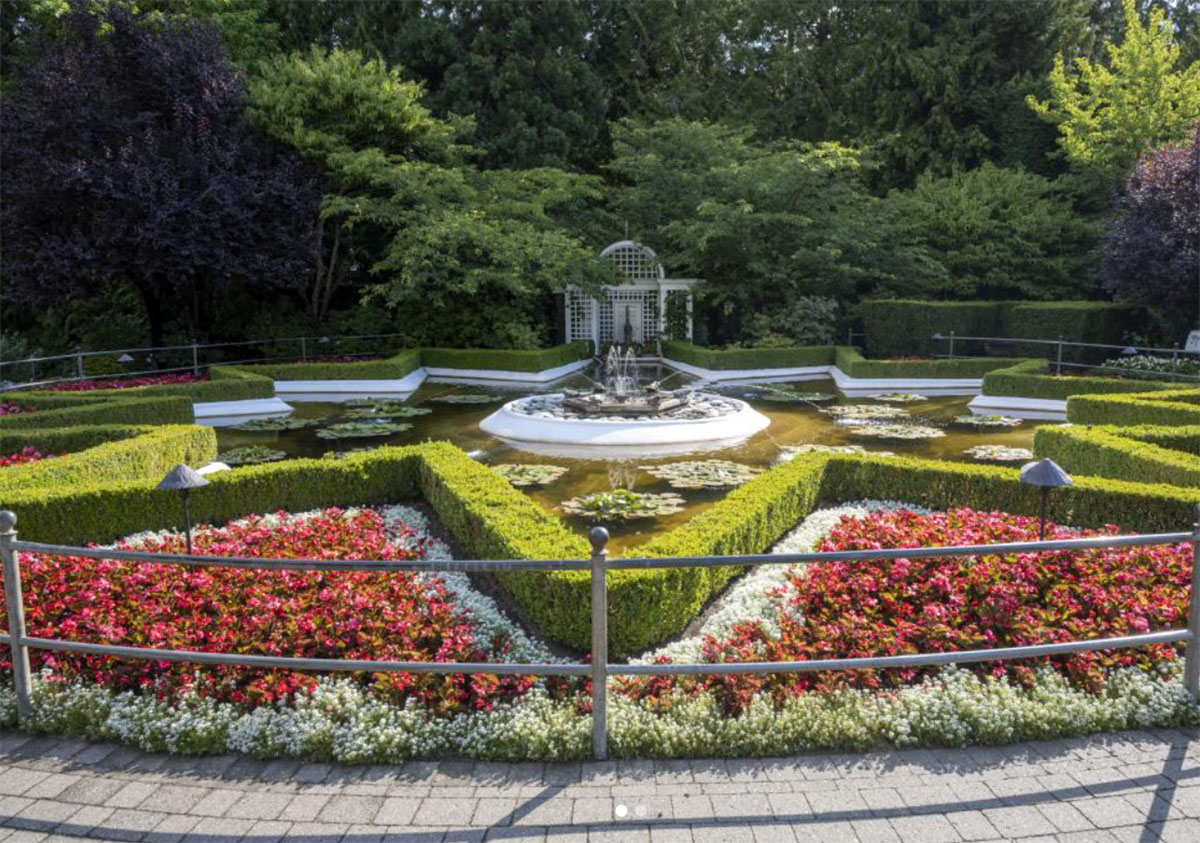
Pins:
x: 845, y: 610
x: 129, y: 383
x: 25, y: 456
x: 345, y: 615
x: 9, y: 408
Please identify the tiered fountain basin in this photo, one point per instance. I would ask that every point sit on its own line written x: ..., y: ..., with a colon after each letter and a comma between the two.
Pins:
x: 701, y: 422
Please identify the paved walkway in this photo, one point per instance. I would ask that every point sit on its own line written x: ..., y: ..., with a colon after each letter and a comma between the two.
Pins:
x: 1135, y: 786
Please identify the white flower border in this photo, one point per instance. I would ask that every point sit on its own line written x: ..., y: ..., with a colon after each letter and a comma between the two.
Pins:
x: 338, y: 721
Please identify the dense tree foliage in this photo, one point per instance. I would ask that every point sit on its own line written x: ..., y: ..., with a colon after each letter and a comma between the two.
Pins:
x: 126, y: 155
x: 1109, y: 112
x: 449, y: 163
x: 1152, y: 247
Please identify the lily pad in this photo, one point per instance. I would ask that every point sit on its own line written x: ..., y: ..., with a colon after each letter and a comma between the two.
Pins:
x: 284, y: 423
x: 790, y: 452
x: 897, y: 431
x: 361, y: 429
x: 972, y: 420
x: 342, y: 454
x: 999, y: 453
x: 465, y: 398
x: 853, y: 413
x: 389, y: 411
x: 702, y: 474
x: 788, y: 396
x: 622, y: 505
x: 528, y: 474
x: 251, y: 455
x: 900, y: 397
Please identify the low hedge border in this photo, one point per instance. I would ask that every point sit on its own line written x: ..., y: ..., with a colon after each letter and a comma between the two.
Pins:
x: 1032, y: 379
x: 147, y: 455
x: 490, y: 519
x: 1166, y: 407
x: 507, y: 360
x: 851, y: 361
x: 748, y: 358
x: 73, y: 409
x: 388, y: 368
x: 59, y: 440
x: 1121, y: 452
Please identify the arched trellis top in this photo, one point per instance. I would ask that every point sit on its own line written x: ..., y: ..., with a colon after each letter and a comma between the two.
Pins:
x: 634, y: 311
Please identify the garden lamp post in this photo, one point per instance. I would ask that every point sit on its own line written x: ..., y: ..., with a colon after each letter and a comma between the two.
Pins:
x: 183, y: 479
x: 1046, y: 475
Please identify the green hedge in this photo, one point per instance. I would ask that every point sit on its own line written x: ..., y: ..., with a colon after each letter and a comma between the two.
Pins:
x: 507, y: 360
x: 72, y: 409
x: 748, y: 358
x: 1166, y: 407
x: 396, y: 366
x: 1032, y: 379
x: 148, y: 456
x: 852, y: 363
x: 490, y: 519
x: 67, y: 440
x: 1121, y: 452
x: 900, y: 327
x: 1091, y: 502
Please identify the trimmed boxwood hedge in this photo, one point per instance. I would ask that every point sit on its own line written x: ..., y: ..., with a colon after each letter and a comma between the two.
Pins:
x: 60, y: 440
x: 149, y: 454
x: 1140, y: 454
x: 1032, y: 379
x: 1165, y: 407
x: 72, y: 409
x: 507, y: 360
x: 396, y: 366
x: 748, y: 358
x: 490, y: 519
x: 852, y: 363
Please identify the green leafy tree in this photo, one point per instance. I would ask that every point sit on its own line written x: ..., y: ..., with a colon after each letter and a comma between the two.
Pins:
x: 763, y: 224
x: 1107, y: 114
x: 461, y: 255
x: 999, y: 234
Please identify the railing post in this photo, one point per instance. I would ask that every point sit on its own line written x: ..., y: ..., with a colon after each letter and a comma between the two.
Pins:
x: 195, y: 358
x: 1058, y: 362
x: 599, y: 539
x: 303, y: 349
x: 1191, y: 663
x: 79, y: 362
x: 16, y: 615
x: 951, y: 355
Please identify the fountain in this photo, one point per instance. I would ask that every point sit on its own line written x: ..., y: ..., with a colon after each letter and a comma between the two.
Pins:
x: 620, y: 417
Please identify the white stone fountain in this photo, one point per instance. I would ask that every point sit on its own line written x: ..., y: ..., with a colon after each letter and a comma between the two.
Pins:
x: 620, y: 417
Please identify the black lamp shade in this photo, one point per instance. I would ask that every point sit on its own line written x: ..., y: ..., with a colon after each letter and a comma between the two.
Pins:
x: 181, y: 477
x: 1045, y: 473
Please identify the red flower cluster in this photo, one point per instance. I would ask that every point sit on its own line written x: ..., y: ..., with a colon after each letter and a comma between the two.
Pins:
x: 27, y: 454
x: 129, y: 383
x: 7, y: 408
x: 858, y: 609
x: 341, y: 615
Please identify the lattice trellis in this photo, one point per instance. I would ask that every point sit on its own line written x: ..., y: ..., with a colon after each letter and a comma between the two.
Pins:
x: 579, y: 315
x: 636, y: 261
x: 644, y: 314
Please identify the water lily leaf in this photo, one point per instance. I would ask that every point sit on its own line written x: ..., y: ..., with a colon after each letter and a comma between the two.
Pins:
x: 999, y: 453
x: 622, y: 504
x: 284, y: 423
x: 251, y: 455
x: 526, y: 474
x: 897, y: 431
x: 361, y: 429
x: 972, y: 420
x: 702, y: 474
x: 465, y: 398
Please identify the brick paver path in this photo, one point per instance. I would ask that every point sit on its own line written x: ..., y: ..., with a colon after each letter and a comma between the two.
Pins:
x: 1135, y: 787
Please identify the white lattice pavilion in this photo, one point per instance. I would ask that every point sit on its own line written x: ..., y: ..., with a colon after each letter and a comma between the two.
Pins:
x: 631, y: 312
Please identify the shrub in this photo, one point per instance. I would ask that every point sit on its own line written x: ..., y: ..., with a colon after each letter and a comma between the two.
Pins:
x: 1168, y: 406
x: 748, y: 358
x: 1150, y: 367
x: 68, y: 439
x: 511, y: 360
x: 62, y: 409
x: 852, y: 363
x: 1031, y: 379
x: 146, y: 456
x: 396, y: 366
x: 1074, y: 321
x: 1123, y: 452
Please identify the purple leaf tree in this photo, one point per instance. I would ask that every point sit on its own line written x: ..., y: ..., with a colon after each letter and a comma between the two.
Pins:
x: 126, y: 155
x: 1152, y: 246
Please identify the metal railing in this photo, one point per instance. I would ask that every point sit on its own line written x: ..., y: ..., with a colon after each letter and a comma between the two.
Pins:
x: 1176, y: 353
x: 193, y: 360
x: 598, y: 565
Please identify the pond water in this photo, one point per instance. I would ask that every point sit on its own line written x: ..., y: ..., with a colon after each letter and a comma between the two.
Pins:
x: 792, y: 423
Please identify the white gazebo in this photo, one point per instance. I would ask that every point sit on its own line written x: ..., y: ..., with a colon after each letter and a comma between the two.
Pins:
x: 634, y: 311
